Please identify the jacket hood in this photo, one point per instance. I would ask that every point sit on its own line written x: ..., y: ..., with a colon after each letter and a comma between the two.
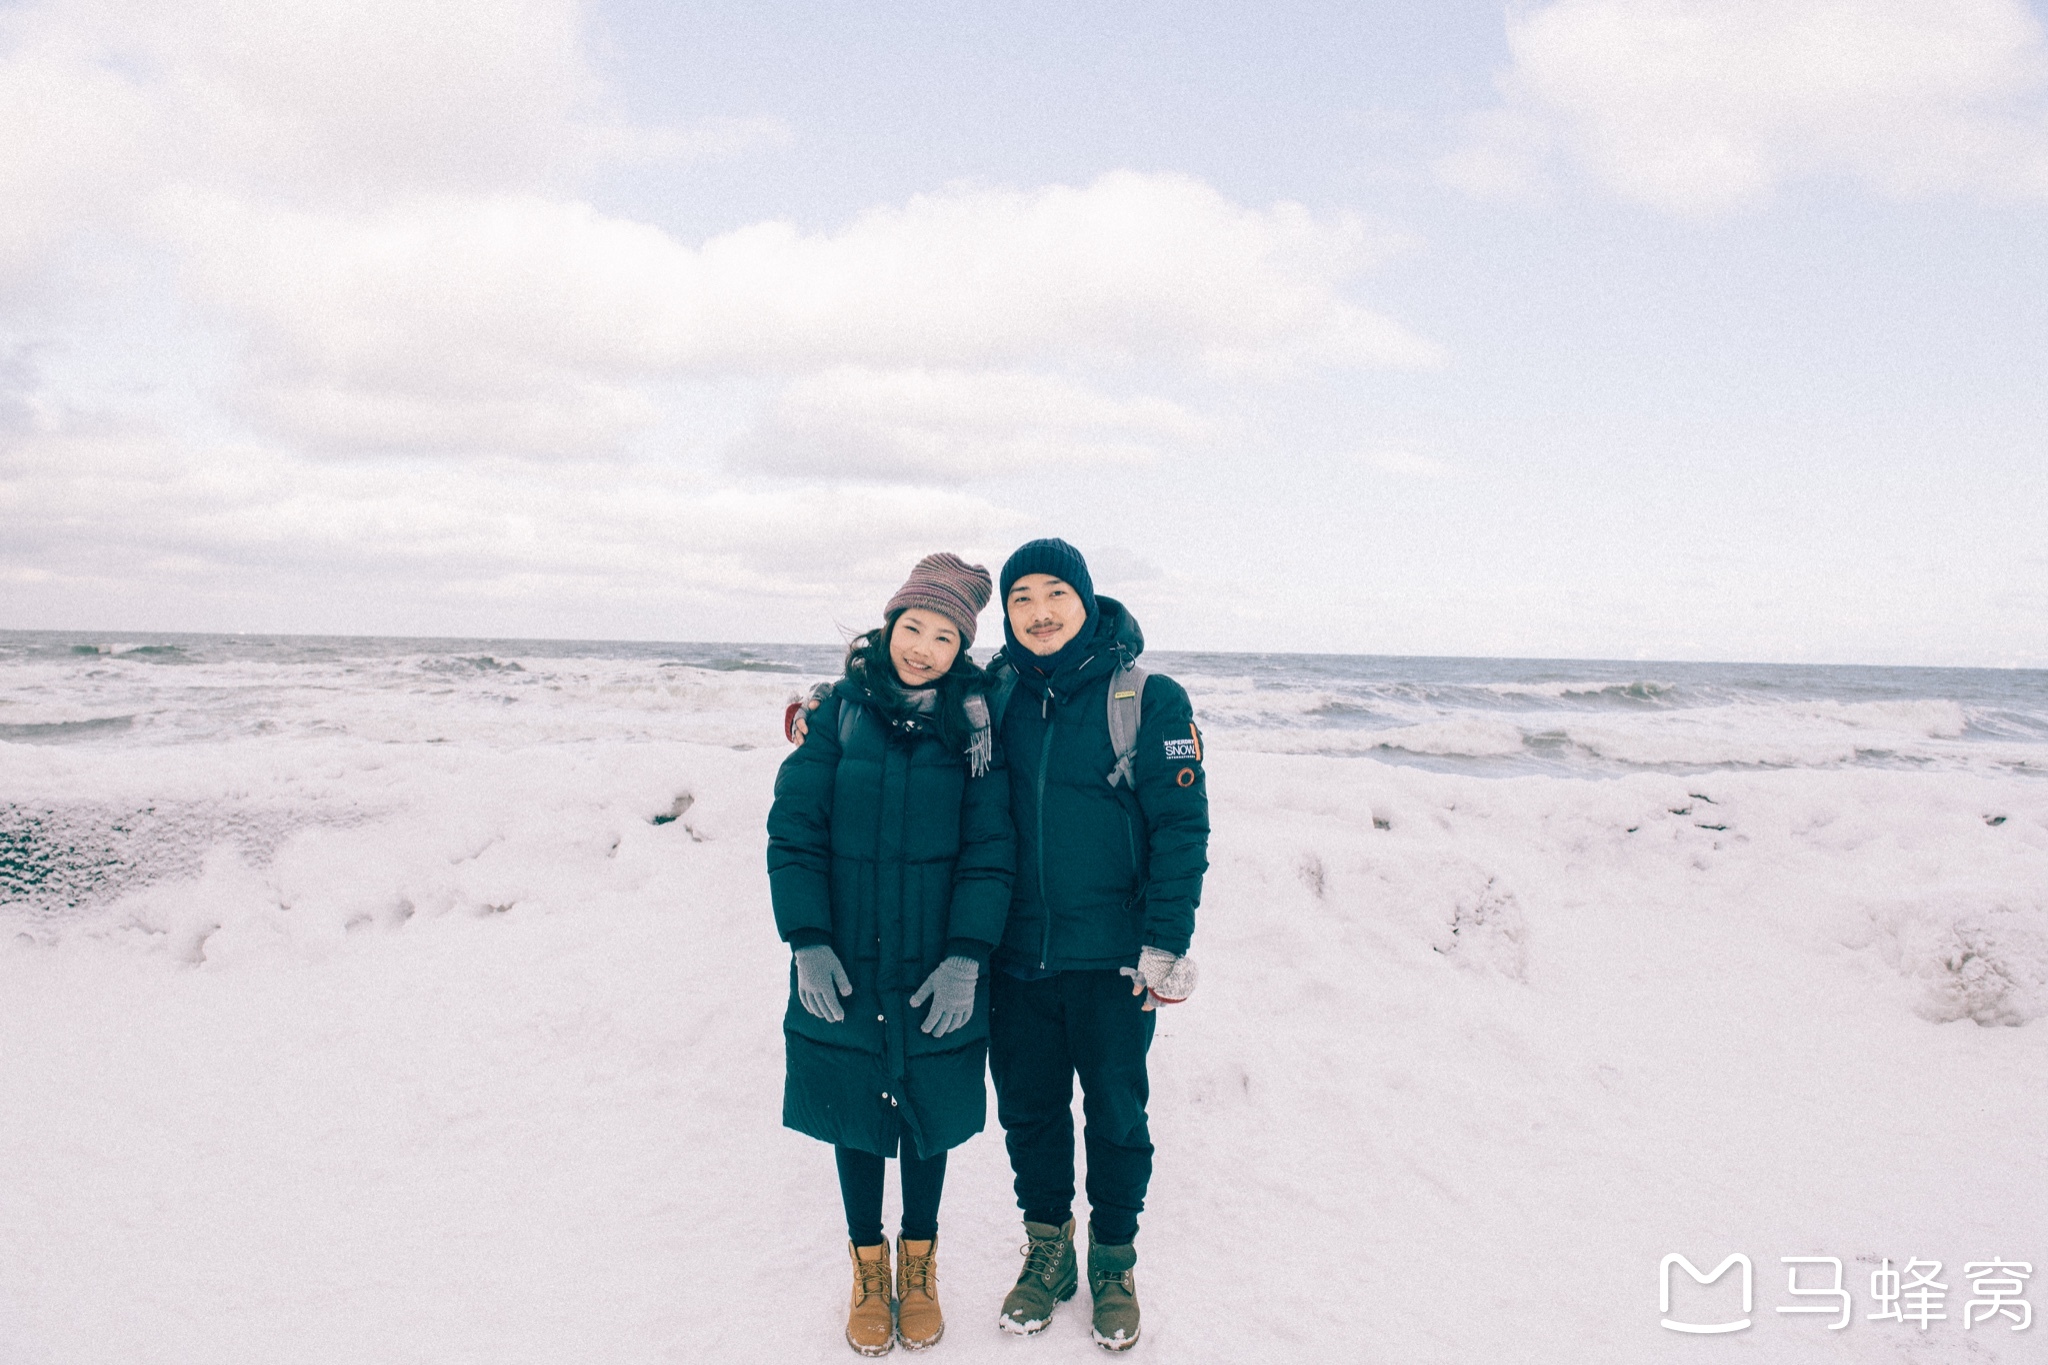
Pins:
x: 1117, y: 628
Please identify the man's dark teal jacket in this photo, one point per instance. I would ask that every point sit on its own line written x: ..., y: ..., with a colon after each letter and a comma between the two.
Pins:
x: 1101, y: 870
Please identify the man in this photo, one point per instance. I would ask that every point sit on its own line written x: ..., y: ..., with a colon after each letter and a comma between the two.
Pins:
x: 1109, y: 873
x: 1108, y: 877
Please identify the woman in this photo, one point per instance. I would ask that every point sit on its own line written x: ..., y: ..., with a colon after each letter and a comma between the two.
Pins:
x: 890, y: 854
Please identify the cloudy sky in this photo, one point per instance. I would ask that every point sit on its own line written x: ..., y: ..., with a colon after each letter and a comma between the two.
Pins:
x: 1615, y: 328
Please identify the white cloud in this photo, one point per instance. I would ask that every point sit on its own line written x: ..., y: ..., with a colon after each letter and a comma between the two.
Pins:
x: 370, y: 200
x: 856, y: 423
x: 706, y: 140
x: 247, y: 234
x: 72, y: 137
x: 1405, y: 464
x: 1700, y: 105
x: 186, y: 529
x: 319, y: 96
x: 545, y: 416
x: 142, y: 143
x: 1128, y: 265
x: 17, y: 383
x: 102, y: 104
x: 496, y: 301
x: 334, y: 104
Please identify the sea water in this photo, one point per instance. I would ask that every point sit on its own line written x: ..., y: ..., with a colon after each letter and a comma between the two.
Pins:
x: 158, y: 751
x: 1484, y: 717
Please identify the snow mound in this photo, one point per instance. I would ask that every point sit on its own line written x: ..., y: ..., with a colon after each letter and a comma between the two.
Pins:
x: 65, y: 856
x: 1986, y: 961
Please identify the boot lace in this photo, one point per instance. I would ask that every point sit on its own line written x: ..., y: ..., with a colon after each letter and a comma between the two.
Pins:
x: 915, y: 1273
x: 874, y: 1278
x: 1042, y: 1258
x: 1122, y: 1279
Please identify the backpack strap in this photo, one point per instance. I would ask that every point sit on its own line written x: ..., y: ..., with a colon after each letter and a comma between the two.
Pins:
x: 1003, y: 684
x: 849, y: 718
x: 1126, y: 709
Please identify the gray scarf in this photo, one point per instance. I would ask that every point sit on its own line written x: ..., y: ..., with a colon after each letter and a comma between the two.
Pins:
x: 924, y: 702
x: 981, y: 750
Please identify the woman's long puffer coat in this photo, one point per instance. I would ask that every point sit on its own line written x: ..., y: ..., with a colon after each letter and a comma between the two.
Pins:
x: 887, y: 848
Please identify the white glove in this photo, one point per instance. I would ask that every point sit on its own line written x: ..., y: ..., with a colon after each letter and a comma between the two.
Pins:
x: 1161, y: 978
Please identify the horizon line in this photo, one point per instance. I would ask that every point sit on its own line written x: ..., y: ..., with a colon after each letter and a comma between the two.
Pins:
x: 110, y: 636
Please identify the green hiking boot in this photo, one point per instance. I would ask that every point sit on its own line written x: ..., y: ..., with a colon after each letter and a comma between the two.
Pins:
x: 1114, y: 1283
x: 1049, y: 1279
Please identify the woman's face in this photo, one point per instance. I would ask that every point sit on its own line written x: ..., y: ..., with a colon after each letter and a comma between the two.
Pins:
x: 923, y: 647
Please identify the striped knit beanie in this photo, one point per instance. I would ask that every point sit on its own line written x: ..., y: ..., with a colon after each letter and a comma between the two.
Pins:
x: 949, y: 585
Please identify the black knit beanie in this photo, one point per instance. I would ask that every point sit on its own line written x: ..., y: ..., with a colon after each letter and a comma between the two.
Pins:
x: 1055, y: 557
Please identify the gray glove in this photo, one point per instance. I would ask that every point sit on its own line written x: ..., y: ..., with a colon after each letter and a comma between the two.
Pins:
x: 818, y: 977
x: 950, y: 988
x: 1161, y: 978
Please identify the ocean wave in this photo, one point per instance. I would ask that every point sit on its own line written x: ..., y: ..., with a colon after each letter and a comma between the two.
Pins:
x: 1790, y: 734
x: 1487, y: 716
x: 64, y: 731
x: 1641, y: 690
x: 139, y: 651
x: 740, y: 666
x: 2001, y: 723
x: 1815, y: 734
x: 479, y: 663
x: 1456, y: 736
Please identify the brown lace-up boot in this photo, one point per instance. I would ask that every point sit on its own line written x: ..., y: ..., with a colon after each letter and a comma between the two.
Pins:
x: 870, y: 1327
x: 918, y: 1321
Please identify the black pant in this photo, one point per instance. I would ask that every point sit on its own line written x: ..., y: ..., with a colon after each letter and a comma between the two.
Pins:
x: 1041, y: 1035
x: 860, y: 1189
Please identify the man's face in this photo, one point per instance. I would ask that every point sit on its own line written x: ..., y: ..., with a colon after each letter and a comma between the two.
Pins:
x: 1045, y: 612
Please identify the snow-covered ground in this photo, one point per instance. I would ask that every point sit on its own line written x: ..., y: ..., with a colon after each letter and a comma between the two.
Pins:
x: 445, y: 1052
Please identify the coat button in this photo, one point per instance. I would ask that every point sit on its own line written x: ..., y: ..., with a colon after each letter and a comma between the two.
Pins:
x: 881, y: 1018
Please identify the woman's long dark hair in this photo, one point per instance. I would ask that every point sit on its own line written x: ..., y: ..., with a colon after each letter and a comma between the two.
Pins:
x: 868, y: 664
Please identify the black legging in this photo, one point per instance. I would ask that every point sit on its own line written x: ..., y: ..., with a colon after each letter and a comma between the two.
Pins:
x: 860, y: 1187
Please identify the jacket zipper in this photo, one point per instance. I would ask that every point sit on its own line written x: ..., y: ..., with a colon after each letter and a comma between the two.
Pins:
x: 1044, y: 757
